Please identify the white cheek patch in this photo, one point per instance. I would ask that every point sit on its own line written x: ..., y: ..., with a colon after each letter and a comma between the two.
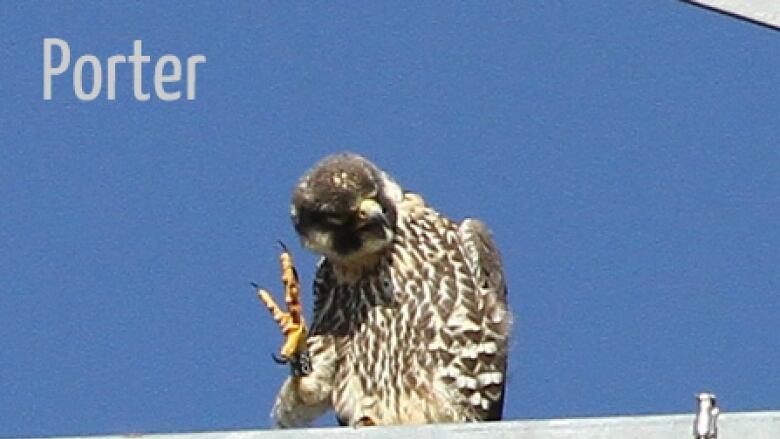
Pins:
x: 319, y: 241
x: 373, y: 243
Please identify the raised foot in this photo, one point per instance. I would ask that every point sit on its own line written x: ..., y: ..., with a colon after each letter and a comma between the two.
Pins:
x: 291, y: 322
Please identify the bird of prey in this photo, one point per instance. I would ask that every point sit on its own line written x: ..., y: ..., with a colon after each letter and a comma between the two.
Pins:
x: 410, y: 319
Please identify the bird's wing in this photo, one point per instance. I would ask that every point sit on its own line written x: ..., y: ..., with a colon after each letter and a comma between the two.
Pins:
x: 485, y: 262
x: 483, y: 256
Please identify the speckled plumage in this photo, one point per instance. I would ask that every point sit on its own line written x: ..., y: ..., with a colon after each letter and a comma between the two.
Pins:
x: 414, y: 332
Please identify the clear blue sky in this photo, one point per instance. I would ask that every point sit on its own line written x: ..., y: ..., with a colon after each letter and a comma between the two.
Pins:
x: 626, y: 155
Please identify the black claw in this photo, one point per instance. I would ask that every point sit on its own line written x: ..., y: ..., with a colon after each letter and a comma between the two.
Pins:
x: 278, y: 360
x: 282, y: 245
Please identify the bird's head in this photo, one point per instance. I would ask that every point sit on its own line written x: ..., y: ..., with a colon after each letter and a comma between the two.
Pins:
x: 345, y: 208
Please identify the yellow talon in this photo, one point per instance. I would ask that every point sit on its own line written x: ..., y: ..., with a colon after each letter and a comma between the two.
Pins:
x: 291, y: 322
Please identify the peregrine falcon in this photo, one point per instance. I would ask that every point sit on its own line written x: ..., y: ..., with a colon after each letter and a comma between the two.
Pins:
x: 410, y: 320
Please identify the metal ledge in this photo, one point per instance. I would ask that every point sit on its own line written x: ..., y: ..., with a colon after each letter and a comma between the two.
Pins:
x: 744, y: 425
x: 762, y: 12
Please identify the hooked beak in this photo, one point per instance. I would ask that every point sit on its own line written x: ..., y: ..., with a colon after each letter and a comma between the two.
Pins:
x: 371, y: 212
